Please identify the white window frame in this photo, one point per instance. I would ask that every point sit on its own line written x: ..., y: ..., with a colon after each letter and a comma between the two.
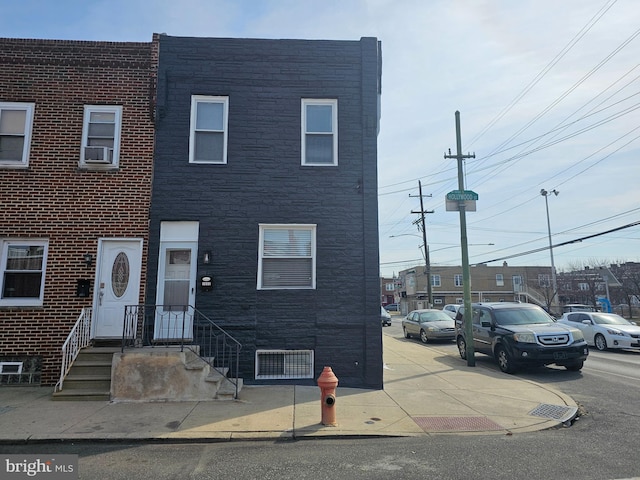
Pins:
x: 261, y: 255
x: 29, y: 109
x: 289, y: 371
x: 436, y: 281
x: 4, y: 249
x: 111, y: 156
x: 458, y: 280
x: 193, y: 130
x: 333, y: 102
x: 499, y: 280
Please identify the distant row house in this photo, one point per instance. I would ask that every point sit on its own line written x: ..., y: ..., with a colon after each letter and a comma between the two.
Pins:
x: 154, y: 191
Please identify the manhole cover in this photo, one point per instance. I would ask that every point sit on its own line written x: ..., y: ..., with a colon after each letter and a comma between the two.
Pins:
x: 555, y: 412
x: 456, y: 424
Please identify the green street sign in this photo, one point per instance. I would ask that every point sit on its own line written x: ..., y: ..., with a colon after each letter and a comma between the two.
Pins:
x: 462, y: 195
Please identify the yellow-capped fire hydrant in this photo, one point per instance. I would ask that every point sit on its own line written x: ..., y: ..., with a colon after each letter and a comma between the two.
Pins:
x: 328, y: 382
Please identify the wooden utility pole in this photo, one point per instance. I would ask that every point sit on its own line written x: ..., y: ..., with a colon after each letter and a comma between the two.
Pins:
x: 466, y: 277
x: 426, y: 247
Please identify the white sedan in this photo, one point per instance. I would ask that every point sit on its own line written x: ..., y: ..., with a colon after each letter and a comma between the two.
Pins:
x: 604, y: 330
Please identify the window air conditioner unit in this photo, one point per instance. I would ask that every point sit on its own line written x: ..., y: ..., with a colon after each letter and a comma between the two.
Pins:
x: 98, y: 155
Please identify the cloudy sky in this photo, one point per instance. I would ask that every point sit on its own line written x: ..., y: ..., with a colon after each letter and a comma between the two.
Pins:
x: 548, y: 93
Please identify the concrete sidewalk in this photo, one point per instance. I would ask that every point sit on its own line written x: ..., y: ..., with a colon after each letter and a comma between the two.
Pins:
x: 426, y: 392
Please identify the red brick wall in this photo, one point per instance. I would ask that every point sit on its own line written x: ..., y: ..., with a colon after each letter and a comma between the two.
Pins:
x: 53, y: 198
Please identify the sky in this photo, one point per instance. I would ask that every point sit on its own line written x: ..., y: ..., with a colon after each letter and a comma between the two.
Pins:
x: 548, y: 93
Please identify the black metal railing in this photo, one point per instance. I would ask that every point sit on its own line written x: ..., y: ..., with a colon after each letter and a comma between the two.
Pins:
x: 187, y: 327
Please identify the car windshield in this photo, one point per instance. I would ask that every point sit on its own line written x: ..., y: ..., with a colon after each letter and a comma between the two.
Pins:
x: 611, y: 319
x: 433, y: 316
x: 521, y: 316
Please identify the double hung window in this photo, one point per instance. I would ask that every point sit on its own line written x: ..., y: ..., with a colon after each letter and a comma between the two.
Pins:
x: 16, y: 120
x: 287, y: 257
x: 101, y: 137
x: 208, y: 133
x: 22, y: 267
x: 319, y: 132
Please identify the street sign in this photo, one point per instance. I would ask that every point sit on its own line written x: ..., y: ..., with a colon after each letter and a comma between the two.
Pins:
x: 462, y: 195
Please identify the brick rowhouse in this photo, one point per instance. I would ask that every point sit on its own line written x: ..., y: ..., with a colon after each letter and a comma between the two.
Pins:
x: 53, y: 198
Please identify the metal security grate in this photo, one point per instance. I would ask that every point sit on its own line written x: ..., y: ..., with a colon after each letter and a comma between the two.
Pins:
x: 561, y: 413
x: 285, y: 364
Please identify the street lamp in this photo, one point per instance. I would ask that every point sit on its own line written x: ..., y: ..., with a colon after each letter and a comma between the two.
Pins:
x: 554, y: 284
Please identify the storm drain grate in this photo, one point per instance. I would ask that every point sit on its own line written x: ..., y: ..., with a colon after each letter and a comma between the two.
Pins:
x: 456, y: 424
x: 555, y: 412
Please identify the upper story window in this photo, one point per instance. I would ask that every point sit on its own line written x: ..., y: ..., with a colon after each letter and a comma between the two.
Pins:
x: 435, y: 280
x: 208, y: 133
x: 16, y: 120
x: 287, y: 257
x: 543, y: 280
x: 457, y: 280
x: 101, y: 137
x: 22, y: 266
x: 499, y: 280
x: 319, y: 132
x: 389, y: 287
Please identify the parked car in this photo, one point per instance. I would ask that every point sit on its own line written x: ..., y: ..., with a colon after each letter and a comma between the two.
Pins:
x: 392, y: 307
x: 451, y: 309
x: 429, y: 324
x: 604, y: 330
x: 386, y: 317
x: 578, y: 307
x: 521, y: 334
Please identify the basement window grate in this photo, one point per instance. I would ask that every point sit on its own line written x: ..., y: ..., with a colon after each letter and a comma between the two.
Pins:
x: 284, y: 364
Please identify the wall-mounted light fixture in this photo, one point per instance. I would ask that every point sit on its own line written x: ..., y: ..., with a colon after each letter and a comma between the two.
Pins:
x: 206, y: 257
x: 88, y: 259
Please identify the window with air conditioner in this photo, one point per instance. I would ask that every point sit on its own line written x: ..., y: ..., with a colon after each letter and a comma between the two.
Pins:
x: 22, y: 269
x: 16, y: 120
x: 101, y: 137
x: 287, y: 257
x: 284, y: 364
x: 319, y: 132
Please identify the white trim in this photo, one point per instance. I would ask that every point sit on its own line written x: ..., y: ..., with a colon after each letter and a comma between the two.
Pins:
x: 333, y: 102
x: 113, y: 153
x: 13, y: 364
x: 29, y: 108
x: 179, y: 231
x: 22, y: 301
x: 195, y: 100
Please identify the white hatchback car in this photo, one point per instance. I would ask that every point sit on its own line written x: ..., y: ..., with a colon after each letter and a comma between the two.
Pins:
x: 604, y: 330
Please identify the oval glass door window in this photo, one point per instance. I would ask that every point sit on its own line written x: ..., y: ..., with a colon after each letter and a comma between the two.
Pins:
x: 120, y: 274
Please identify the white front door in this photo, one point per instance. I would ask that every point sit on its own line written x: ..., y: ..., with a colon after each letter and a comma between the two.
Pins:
x: 176, y: 286
x: 117, y: 284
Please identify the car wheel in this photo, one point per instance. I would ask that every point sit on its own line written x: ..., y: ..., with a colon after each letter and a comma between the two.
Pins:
x: 462, y: 348
x: 504, y: 360
x: 406, y: 334
x: 423, y: 336
x: 601, y: 342
x: 575, y: 367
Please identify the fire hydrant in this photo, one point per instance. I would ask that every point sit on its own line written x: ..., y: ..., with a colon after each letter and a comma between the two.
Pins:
x: 328, y: 382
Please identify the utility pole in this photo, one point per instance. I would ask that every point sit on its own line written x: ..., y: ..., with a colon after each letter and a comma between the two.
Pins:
x: 426, y: 247
x: 466, y: 277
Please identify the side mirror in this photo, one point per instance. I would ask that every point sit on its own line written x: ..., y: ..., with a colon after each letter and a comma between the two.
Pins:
x: 587, y: 322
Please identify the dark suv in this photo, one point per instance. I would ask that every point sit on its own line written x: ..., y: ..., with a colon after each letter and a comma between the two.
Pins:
x: 519, y: 334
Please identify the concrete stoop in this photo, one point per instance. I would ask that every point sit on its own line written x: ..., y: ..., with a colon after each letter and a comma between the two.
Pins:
x: 89, y: 377
x: 163, y: 374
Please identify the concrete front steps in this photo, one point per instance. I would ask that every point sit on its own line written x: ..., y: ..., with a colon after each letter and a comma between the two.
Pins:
x: 105, y: 373
x: 90, y: 376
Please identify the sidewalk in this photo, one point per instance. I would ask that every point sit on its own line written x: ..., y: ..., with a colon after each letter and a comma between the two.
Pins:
x: 426, y: 392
